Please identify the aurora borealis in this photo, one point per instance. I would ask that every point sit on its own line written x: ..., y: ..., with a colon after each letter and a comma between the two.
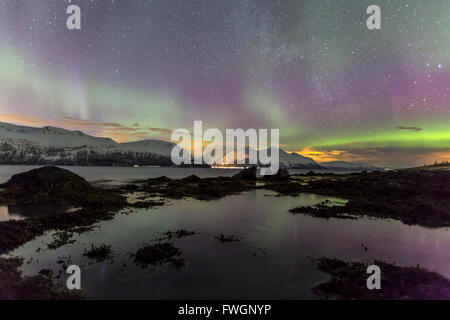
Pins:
x: 138, y: 69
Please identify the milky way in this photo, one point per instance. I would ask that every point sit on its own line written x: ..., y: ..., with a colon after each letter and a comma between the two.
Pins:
x: 335, y: 89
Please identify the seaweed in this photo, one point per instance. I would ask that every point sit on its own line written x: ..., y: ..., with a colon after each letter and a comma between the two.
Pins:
x: 100, y: 253
x: 15, y: 286
x: 178, y: 234
x: 413, y: 197
x: 157, y: 254
x: 60, y: 238
x: 348, y: 281
x: 228, y: 238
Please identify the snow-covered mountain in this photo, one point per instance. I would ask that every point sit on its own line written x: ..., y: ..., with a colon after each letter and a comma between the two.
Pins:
x: 19, y: 151
x: 349, y: 166
x: 51, y: 136
x: 288, y: 160
x: 296, y: 161
x: 50, y: 145
x: 163, y: 148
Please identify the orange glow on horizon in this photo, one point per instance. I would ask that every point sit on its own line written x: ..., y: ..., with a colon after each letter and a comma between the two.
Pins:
x: 322, y: 156
x: 128, y: 133
x: 115, y: 131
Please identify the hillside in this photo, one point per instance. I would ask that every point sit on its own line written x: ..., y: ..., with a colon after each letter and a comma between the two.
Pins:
x: 51, y: 136
x: 349, y: 166
x: 57, y: 146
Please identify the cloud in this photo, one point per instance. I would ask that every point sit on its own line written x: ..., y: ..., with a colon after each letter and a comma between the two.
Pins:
x: 116, y: 131
x: 409, y: 128
x: 323, y: 155
x: 393, y: 157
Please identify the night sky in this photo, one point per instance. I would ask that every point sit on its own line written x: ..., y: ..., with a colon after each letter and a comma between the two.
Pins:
x: 138, y: 69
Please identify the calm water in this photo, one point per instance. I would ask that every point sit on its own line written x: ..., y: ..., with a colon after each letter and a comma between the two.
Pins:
x: 273, y: 259
x: 104, y: 177
x: 125, y: 174
x: 100, y: 176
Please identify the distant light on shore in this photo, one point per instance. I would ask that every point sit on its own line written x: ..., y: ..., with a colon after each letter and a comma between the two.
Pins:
x: 226, y: 167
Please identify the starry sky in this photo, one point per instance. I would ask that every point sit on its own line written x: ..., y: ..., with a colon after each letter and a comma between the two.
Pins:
x: 140, y: 69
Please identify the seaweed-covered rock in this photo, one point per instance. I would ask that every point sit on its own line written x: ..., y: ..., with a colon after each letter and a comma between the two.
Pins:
x: 53, y: 184
x: 223, y: 238
x: 348, y: 282
x: 179, y: 234
x: 192, y: 178
x: 158, y: 180
x: 157, y: 253
x: 413, y: 197
x: 281, y: 175
x: 246, y: 174
x: 15, y: 286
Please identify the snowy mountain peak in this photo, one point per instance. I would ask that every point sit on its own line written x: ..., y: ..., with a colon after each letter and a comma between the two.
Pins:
x: 51, y: 136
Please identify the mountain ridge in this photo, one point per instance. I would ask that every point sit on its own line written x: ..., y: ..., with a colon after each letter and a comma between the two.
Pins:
x: 353, y: 166
x: 49, y: 135
x: 58, y: 146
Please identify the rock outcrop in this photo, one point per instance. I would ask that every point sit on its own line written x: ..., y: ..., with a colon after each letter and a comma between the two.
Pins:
x: 246, y: 174
x: 53, y: 184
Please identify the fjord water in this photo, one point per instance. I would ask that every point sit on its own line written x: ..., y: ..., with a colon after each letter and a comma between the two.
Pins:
x: 272, y: 260
x: 122, y: 174
x: 108, y: 175
x: 103, y: 177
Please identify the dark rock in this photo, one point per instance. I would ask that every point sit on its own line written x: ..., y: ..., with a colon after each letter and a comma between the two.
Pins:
x: 348, y: 281
x: 192, y: 178
x: 158, y: 180
x: 246, y: 174
x: 146, y: 204
x: 16, y: 232
x: 15, y: 286
x: 231, y: 238
x: 53, y: 184
x: 46, y: 179
x: 413, y: 197
x: 179, y: 234
x: 281, y: 175
x: 130, y: 187
x: 205, y: 189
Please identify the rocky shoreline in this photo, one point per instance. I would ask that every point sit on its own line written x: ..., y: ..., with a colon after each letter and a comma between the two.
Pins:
x: 413, y: 197
x: 348, y: 282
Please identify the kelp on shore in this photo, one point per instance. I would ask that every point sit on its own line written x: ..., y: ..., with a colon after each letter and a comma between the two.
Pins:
x: 348, y: 282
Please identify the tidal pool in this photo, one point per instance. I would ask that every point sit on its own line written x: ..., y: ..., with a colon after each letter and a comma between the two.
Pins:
x: 272, y: 261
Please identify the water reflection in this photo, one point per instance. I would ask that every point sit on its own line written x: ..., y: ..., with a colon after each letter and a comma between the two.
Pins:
x: 272, y: 261
x: 6, y: 214
x: 114, y: 175
x: 30, y: 211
